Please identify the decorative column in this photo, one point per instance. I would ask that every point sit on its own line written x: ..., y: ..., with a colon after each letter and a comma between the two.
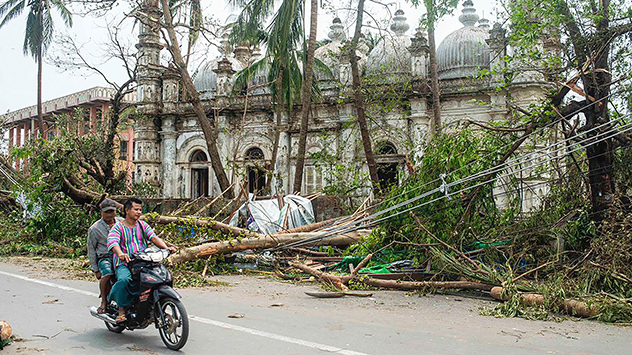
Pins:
x: 224, y: 73
x: 18, y: 135
x: 149, y: 46
x: 169, y: 173
x: 147, y: 150
x: 498, y: 47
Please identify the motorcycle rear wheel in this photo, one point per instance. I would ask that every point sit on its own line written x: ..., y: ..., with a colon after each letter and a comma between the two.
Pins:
x: 175, y: 331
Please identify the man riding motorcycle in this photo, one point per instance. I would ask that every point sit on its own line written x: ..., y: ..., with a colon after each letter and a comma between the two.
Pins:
x: 127, y: 237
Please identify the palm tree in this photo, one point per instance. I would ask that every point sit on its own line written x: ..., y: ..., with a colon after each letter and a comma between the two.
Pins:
x: 281, y: 61
x: 38, y: 35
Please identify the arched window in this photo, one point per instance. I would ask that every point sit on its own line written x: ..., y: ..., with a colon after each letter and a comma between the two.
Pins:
x: 199, y: 174
x: 254, y: 154
x: 387, y: 164
x: 198, y: 155
x: 385, y: 148
x: 256, y: 171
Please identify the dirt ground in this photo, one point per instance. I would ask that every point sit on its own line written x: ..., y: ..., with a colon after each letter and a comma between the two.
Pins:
x: 67, y: 269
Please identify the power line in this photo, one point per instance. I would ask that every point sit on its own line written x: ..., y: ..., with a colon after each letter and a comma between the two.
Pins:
x: 357, y: 224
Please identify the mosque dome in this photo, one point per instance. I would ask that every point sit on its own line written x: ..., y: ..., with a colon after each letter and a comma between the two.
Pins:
x: 464, y: 52
x: 391, y: 54
x: 329, y: 53
x: 205, y: 78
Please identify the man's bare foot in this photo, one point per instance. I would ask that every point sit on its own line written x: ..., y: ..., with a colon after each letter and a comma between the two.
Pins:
x: 101, y: 309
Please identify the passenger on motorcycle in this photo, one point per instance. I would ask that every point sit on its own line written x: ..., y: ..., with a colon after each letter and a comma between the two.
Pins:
x: 125, y: 238
x: 98, y: 253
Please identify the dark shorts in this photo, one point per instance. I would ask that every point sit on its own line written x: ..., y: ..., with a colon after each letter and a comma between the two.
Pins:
x: 105, y: 266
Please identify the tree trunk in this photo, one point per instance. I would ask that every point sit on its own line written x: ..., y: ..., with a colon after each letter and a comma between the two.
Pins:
x: 600, y: 155
x: 569, y: 306
x: 435, y: 123
x: 341, y: 281
x: 40, y: 114
x: 359, y: 101
x: 267, y: 241
x: 207, y: 128
x: 306, y: 96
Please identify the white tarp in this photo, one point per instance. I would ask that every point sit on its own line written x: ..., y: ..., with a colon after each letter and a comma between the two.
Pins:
x: 265, y: 216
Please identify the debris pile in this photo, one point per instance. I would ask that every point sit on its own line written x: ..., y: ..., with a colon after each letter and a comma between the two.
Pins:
x: 5, y: 334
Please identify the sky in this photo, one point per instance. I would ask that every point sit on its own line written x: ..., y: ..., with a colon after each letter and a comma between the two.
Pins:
x: 18, y: 73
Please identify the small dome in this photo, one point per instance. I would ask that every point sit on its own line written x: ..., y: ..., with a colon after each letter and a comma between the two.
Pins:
x: 329, y: 53
x: 464, y: 52
x: 205, y: 79
x: 391, y: 54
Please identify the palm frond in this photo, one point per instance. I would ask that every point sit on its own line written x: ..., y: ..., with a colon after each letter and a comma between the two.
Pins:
x: 10, y: 5
x: 11, y: 12
x: 32, y: 35
x: 65, y: 14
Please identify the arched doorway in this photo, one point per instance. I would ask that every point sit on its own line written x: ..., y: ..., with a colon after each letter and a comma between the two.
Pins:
x: 387, y: 162
x: 199, y: 174
x: 255, y: 171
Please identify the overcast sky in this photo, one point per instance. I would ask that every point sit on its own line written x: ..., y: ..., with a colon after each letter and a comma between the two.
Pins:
x: 18, y: 73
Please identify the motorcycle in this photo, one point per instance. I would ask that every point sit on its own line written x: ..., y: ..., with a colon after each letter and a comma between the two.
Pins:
x: 158, y: 302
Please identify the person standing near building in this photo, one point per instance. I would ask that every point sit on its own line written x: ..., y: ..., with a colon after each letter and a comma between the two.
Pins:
x: 127, y: 237
x: 98, y: 253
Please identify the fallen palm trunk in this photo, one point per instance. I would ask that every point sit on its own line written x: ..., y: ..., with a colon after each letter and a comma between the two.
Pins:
x: 259, y: 242
x: 572, y: 307
x: 338, y: 281
x: 422, y: 285
x: 341, y: 281
x: 218, y: 226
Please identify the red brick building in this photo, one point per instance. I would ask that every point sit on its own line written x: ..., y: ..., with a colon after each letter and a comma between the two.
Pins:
x: 22, y: 124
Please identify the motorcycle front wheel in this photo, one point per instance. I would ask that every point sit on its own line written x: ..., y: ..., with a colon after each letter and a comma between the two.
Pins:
x: 175, y: 331
x: 114, y: 328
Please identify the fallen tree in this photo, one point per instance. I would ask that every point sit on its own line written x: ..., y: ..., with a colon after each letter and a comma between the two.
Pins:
x: 341, y: 282
x: 261, y: 241
x: 572, y: 307
x: 215, y: 225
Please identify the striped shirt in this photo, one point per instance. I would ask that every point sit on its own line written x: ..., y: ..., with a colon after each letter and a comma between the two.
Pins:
x: 130, y: 240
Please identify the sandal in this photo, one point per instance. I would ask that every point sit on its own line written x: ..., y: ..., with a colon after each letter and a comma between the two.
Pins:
x: 121, y: 319
x: 101, y: 310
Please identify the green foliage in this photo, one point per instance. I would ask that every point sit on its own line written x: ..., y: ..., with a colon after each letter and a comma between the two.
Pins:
x: 59, y: 229
x: 450, y: 157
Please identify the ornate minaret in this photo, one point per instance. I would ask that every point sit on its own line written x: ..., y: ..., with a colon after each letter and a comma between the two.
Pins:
x: 147, y: 150
x: 419, y: 51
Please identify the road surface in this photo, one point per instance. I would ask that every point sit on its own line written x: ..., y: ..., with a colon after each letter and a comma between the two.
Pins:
x: 50, y: 315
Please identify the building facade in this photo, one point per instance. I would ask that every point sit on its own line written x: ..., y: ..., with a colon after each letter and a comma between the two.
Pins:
x: 22, y: 124
x: 171, y: 150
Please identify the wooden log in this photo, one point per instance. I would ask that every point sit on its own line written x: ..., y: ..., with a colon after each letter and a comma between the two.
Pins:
x: 337, y: 281
x: 422, y: 285
x: 341, y: 281
x: 267, y: 241
x: 572, y: 307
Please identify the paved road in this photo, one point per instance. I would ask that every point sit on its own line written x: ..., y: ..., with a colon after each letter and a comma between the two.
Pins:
x: 51, y: 316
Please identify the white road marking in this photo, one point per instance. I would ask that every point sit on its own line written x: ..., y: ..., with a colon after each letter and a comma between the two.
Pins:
x: 284, y: 338
x: 46, y: 283
x: 305, y: 343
